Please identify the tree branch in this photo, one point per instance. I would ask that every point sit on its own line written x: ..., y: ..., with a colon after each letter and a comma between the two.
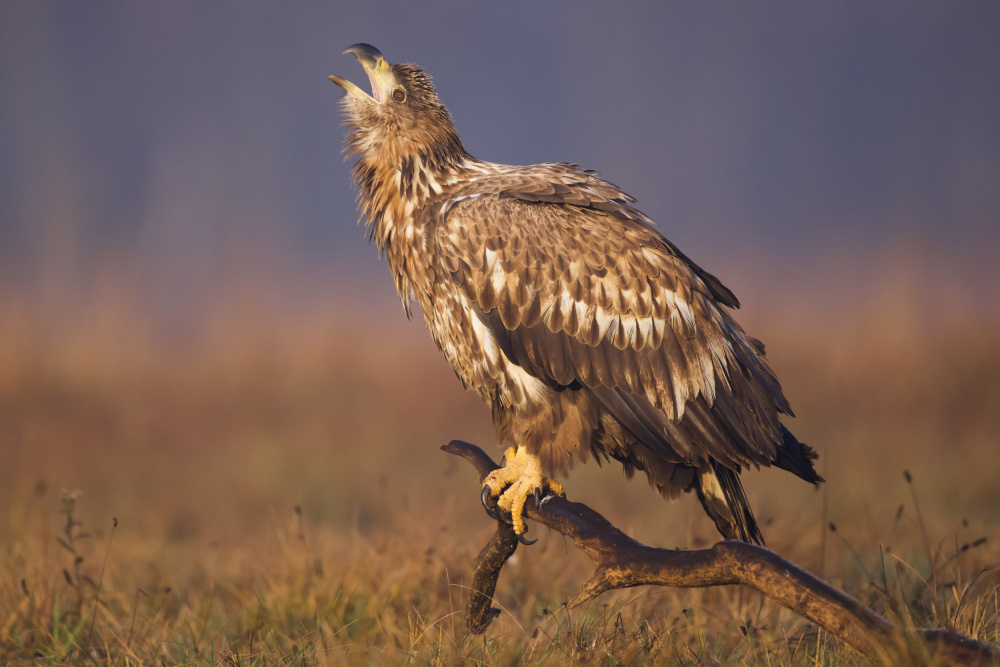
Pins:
x: 623, y: 562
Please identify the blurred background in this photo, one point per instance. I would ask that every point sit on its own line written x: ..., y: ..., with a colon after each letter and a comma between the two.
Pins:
x: 194, y: 330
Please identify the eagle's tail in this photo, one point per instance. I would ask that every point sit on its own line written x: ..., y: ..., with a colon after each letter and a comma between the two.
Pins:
x: 721, y: 494
x: 796, y: 457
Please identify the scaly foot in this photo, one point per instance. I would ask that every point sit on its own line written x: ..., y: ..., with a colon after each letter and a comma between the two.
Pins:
x: 522, y: 477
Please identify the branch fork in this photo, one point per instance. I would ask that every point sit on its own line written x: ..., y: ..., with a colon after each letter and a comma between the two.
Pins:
x: 623, y: 562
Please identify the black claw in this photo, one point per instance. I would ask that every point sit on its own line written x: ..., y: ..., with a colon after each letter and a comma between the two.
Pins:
x: 495, y: 512
x: 525, y: 541
x: 498, y: 514
x: 538, y: 496
x: 491, y: 510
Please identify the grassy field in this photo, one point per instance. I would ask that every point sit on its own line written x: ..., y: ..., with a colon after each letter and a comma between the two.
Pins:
x: 270, y: 491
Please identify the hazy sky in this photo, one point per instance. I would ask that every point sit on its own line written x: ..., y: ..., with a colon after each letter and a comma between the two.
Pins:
x: 187, y: 138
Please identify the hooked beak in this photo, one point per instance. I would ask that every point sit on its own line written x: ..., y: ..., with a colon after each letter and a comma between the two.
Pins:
x: 375, y: 66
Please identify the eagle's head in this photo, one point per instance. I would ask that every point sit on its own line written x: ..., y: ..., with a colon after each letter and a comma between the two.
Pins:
x: 403, y: 116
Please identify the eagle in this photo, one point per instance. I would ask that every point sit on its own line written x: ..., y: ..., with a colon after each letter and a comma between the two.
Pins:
x: 553, y: 296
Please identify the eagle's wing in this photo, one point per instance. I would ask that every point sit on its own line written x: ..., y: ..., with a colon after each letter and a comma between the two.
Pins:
x: 577, y: 286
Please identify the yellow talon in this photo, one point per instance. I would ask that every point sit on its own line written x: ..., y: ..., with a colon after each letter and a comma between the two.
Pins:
x: 522, y: 476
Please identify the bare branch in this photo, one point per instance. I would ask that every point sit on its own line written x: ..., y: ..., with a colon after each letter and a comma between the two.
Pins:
x: 491, y: 559
x: 623, y: 562
x: 488, y: 564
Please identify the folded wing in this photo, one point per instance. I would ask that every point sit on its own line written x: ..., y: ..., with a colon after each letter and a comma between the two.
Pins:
x: 578, y: 287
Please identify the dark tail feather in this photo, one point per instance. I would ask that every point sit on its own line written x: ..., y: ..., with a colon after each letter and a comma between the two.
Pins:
x: 796, y: 457
x: 721, y: 494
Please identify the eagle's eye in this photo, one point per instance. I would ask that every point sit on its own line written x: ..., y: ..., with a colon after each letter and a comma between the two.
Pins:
x: 399, y: 94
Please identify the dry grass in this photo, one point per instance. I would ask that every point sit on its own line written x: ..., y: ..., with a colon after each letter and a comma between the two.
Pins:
x: 271, y: 493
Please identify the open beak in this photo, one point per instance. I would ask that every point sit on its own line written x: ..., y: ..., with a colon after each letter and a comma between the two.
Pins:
x: 375, y: 66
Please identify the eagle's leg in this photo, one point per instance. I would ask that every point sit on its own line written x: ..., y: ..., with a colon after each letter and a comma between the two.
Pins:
x: 522, y: 477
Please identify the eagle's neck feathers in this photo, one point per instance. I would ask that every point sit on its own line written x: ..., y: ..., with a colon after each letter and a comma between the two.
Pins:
x: 397, y: 182
x: 391, y: 184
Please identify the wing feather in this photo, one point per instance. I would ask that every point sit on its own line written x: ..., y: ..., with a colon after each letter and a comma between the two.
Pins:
x: 582, y: 289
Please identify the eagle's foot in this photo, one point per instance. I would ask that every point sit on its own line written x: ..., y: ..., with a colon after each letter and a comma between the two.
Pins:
x: 521, y: 476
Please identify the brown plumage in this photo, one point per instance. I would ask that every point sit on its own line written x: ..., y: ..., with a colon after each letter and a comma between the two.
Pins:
x: 554, y: 297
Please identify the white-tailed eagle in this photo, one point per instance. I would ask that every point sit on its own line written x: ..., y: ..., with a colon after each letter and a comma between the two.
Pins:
x: 554, y: 297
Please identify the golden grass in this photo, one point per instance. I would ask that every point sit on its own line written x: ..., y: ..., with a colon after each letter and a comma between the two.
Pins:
x: 280, y: 499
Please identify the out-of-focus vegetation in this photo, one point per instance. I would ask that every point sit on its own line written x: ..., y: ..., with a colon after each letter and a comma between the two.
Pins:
x: 270, y: 490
